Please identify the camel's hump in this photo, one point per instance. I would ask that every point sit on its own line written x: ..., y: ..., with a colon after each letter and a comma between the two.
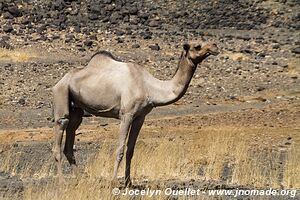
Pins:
x: 105, y: 53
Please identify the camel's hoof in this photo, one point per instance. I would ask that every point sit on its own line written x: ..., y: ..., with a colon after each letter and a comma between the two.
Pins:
x: 75, y: 171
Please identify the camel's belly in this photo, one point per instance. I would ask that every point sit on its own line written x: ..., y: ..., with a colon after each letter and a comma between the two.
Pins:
x: 112, y: 112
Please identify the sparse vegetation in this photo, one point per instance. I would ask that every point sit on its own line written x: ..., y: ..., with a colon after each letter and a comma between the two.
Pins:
x: 18, y: 55
x: 238, y: 155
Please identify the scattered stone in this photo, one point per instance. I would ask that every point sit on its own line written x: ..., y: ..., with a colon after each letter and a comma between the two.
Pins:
x: 294, y: 77
x: 120, y: 40
x: 146, y: 35
x: 119, y: 32
x: 260, y: 88
x: 154, y: 47
x: 93, y: 16
x: 58, y: 5
x: 4, y: 44
x: 22, y: 101
x: 115, y: 18
x: 14, y: 11
x: 135, y: 46
x: 261, y: 55
x: 275, y: 46
x: 8, y: 28
x: 69, y: 38
x: 88, y: 43
x: 133, y: 10
x: 7, y: 15
x: 296, y: 50
x: 154, y: 23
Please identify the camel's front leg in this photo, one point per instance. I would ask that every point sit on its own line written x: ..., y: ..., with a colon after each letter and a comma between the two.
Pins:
x: 60, y: 126
x: 133, y: 135
x: 126, y: 120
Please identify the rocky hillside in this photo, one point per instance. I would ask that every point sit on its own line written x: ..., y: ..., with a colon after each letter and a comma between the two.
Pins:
x: 143, y: 17
x: 259, y: 41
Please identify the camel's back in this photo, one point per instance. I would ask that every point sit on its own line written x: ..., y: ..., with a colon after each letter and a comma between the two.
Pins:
x: 104, y: 76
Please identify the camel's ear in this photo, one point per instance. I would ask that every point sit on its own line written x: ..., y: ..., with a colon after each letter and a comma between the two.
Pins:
x: 186, y: 47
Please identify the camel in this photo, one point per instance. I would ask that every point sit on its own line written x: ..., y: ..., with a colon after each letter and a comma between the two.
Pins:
x: 109, y: 88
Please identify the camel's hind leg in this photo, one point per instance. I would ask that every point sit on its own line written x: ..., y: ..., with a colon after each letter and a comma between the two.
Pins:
x: 61, y: 117
x: 74, y: 122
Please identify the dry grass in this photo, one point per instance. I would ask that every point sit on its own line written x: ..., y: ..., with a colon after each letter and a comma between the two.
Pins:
x: 242, y: 156
x: 17, y: 55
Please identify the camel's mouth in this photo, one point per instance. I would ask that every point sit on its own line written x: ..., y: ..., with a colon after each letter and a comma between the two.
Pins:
x: 213, y: 50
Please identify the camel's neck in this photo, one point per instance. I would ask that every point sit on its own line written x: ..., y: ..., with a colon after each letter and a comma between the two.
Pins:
x: 172, y: 90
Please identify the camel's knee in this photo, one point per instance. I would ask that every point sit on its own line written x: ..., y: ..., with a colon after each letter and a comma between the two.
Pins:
x: 120, y: 157
x: 120, y: 154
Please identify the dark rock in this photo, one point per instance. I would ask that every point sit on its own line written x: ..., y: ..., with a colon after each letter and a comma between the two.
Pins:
x: 8, y: 28
x: 25, y: 21
x: 129, y: 32
x: 96, y: 9
x: 58, y: 5
x: 7, y: 15
x: 110, y: 8
x: 22, y: 101
x: 261, y: 55
x: 41, y: 29
x: 134, y: 21
x: 107, y: 1
x: 247, y: 50
x: 154, y: 23
x: 133, y: 10
x: 88, y: 43
x: 93, y: 37
x: 4, y: 44
x: 69, y: 38
x: 155, y: 47
x: 296, y: 50
x: 144, y: 16
x: 14, y: 11
x: 284, y: 65
x: 260, y: 88
x: 244, y: 37
x: 105, y: 19
x: 126, y: 18
x: 115, y: 18
x: 77, y: 29
x: 276, y: 46
x: 93, y: 16
x: 43, y: 38
x: 294, y: 77
x: 146, y: 35
x: 119, y: 32
x: 135, y: 46
x: 120, y: 40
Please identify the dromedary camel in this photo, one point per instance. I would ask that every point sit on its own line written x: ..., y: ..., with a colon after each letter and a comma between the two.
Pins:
x: 126, y: 91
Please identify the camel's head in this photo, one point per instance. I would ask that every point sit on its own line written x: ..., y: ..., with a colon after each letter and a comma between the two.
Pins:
x: 198, y: 52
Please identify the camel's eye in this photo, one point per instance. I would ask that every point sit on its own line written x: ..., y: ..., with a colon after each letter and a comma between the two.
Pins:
x: 198, y: 47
